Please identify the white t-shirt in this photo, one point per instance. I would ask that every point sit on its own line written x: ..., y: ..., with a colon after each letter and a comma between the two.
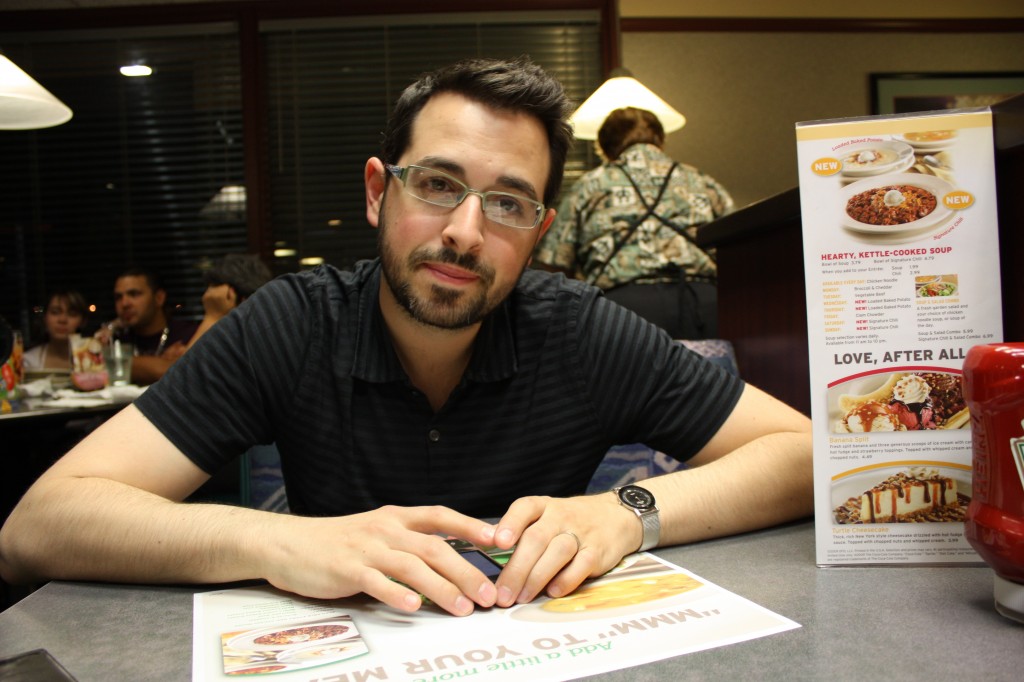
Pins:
x: 35, y: 357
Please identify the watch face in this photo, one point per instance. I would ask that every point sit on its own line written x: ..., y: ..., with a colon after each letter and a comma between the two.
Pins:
x: 636, y: 497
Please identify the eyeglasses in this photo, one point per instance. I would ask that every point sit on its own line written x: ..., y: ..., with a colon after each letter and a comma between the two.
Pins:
x: 440, y: 189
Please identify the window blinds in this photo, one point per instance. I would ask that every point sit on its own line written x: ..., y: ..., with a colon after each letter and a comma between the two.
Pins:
x: 126, y: 181
x: 137, y: 176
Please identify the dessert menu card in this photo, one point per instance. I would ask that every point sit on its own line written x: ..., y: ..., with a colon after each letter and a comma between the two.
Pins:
x: 901, y: 263
x: 644, y: 610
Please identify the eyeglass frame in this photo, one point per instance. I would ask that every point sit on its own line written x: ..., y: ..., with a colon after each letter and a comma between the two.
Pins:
x: 401, y: 173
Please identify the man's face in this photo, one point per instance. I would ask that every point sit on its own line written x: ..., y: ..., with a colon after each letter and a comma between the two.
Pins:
x: 137, y: 305
x: 449, y: 268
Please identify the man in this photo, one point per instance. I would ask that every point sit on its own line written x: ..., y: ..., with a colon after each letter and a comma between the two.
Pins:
x: 419, y: 393
x: 142, y: 320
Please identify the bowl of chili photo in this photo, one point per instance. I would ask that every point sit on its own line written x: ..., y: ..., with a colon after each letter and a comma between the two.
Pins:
x: 896, y: 204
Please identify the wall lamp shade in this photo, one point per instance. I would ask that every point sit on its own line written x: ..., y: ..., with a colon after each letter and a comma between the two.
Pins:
x: 622, y: 90
x: 24, y: 103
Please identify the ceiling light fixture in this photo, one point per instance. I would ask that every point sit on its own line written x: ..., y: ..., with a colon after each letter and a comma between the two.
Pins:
x: 227, y: 204
x: 24, y: 103
x: 136, y: 71
x: 621, y: 90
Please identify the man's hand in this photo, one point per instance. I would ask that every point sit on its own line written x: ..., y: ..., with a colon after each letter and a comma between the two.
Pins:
x: 393, y: 554
x: 219, y: 300
x: 173, y: 351
x: 105, y: 334
x: 562, y: 542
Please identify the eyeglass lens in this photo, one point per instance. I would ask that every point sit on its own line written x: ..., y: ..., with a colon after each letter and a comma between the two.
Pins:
x: 441, y: 189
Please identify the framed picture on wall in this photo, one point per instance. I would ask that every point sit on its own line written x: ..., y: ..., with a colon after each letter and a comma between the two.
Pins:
x: 900, y: 93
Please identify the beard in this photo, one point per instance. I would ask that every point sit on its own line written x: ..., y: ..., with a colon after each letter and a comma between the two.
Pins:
x: 441, y: 307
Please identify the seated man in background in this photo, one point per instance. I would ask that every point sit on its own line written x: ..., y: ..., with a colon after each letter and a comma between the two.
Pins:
x: 230, y: 281
x: 420, y: 392
x: 143, y: 320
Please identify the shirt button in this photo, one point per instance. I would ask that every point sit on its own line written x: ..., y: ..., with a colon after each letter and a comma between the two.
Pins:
x: 434, y: 435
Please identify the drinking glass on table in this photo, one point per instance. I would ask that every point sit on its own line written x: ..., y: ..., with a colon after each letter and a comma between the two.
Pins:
x: 117, y: 356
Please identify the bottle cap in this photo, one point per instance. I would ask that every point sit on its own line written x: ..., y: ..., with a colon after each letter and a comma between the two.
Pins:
x: 1009, y: 598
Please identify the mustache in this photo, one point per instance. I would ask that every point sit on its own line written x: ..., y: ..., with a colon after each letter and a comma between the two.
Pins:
x: 466, y: 261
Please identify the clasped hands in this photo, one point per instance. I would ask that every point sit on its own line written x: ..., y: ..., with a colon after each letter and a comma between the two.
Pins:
x: 396, y: 554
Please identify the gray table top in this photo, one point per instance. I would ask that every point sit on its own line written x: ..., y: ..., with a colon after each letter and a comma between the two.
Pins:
x: 859, y: 623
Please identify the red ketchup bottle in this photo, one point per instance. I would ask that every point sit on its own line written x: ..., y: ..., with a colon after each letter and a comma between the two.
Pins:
x: 994, y: 390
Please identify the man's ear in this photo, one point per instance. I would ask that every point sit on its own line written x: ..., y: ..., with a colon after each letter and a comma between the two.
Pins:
x: 160, y: 296
x: 545, y: 224
x: 541, y: 229
x: 374, y: 177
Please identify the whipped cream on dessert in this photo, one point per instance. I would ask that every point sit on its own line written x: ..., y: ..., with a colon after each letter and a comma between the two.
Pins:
x: 911, y: 389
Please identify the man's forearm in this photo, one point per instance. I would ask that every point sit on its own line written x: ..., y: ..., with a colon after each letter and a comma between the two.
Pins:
x: 205, y: 325
x: 95, y: 529
x: 147, y: 369
x: 766, y: 482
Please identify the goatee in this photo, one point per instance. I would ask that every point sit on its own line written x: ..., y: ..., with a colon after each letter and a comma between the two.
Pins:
x: 442, y: 307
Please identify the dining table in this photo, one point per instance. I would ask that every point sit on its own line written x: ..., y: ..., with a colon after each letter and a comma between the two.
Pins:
x: 857, y: 623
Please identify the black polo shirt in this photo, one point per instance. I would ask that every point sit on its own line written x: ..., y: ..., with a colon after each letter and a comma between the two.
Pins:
x: 558, y: 375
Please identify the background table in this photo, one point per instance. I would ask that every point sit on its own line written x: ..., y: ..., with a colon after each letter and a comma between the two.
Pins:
x: 893, y: 623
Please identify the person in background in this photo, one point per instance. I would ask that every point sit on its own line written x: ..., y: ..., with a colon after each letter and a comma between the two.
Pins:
x: 229, y: 282
x: 143, y: 320
x: 421, y: 392
x: 64, y: 314
x: 628, y: 227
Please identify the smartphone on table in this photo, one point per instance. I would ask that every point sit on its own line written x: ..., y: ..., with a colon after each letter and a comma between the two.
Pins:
x: 34, y: 666
x: 478, y: 557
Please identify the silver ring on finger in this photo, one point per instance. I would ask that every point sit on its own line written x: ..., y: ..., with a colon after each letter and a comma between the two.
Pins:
x: 579, y: 545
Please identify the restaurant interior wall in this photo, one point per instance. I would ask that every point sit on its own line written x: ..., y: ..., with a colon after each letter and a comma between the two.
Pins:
x: 290, y: 107
x: 743, y: 84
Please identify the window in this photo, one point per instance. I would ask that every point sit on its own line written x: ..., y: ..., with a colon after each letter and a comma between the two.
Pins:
x: 138, y: 176
x: 128, y: 180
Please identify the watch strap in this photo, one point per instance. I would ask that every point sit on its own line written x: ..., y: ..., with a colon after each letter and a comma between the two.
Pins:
x: 652, y: 529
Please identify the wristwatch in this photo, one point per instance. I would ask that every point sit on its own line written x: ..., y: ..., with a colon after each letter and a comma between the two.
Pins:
x: 641, y: 501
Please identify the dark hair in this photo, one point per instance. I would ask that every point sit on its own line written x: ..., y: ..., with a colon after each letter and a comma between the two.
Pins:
x: 152, y: 279
x: 511, y: 85
x: 243, y: 272
x: 628, y: 126
x: 74, y: 299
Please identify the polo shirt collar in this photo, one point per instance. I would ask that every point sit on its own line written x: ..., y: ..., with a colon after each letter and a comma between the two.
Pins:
x: 375, y: 359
